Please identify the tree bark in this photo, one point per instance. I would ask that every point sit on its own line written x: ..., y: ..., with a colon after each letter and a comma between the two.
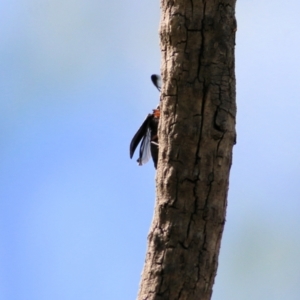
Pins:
x: 196, y: 137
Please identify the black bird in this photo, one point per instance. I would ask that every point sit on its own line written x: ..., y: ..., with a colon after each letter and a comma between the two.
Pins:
x: 147, y: 133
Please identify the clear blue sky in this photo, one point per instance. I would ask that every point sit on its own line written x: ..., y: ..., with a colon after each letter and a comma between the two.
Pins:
x: 75, y: 211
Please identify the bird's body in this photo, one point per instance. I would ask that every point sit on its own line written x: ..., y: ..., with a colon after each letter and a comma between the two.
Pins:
x: 147, y: 134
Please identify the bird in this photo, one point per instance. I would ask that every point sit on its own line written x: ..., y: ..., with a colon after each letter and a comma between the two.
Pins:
x: 147, y: 133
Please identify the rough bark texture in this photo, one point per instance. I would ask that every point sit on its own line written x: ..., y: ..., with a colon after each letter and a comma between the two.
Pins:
x: 196, y: 136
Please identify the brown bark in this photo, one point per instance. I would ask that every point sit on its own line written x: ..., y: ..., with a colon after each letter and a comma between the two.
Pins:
x: 196, y: 136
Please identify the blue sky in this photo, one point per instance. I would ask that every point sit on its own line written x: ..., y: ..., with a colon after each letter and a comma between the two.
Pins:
x: 75, y: 211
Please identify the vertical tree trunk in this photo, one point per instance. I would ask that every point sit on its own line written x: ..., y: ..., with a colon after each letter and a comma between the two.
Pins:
x: 196, y: 136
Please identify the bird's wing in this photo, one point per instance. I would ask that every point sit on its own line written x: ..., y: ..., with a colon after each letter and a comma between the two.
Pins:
x: 139, y: 135
x: 145, y: 149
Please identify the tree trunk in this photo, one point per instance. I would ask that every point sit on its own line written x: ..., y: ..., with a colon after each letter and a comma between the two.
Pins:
x: 196, y: 136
